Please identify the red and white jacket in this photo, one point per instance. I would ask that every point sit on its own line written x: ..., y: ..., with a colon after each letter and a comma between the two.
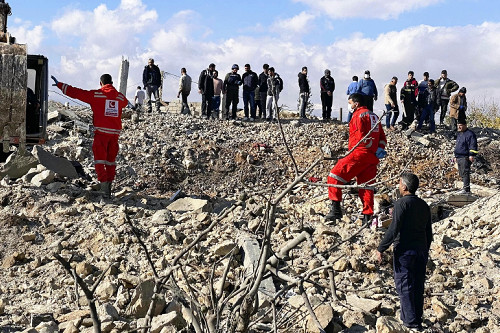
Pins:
x: 361, y: 123
x: 106, y: 103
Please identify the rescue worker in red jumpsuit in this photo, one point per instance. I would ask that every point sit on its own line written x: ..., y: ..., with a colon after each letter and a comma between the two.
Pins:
x: 362, y: 162
x: 107, y: 104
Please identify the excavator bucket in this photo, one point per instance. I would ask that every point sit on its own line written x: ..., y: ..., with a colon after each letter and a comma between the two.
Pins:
x: 13, y: 85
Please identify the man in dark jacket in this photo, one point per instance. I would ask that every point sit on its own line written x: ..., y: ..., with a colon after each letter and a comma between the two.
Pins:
x: 151, y: 79
x: 327, y: 84
x: 465, y: 152
x: 458, y: 106
x: 427, y: 100
x: 408, y: 97
x: 263, y: 90
x: 206, y: 89
x: 231, y: 89
x: 368, y: 88
x: 304, y: 92
x: 250, y: 81
x: 411, y: 235
x: 445, y: 87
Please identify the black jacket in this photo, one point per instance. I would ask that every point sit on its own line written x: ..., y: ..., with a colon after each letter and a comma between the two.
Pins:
x: 327, y: 84
x: 232, y: 82
x: 466, y: 144
x: 151, y: 76
x: 303, y: 83
x: 263, y: 82
x: 250, y: 81
x: 428, y: 97
x: 411, y: 227
x: 206, y: 82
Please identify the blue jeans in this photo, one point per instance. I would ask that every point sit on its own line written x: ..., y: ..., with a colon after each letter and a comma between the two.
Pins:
x: 153, y: 90
x: 391, y: 112
x: 428, y: 111
x: 249, y: 96
x: 303, y: 97
x: 349, y: 116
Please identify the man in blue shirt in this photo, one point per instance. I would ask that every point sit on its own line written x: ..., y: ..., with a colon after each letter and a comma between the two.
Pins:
x: 351, y: 90
x: 367, y: 88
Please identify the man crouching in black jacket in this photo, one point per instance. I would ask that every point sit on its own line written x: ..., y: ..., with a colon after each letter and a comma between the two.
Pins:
x: 411, y: 233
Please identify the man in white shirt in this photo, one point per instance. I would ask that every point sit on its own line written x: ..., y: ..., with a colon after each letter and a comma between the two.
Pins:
x: 139, y: 98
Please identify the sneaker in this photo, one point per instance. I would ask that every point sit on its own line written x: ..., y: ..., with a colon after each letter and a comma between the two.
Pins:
x: 245, y: 118
x: 463, y: 191
x: 252, y: 119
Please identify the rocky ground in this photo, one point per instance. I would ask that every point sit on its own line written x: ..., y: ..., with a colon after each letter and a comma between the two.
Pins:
x: 178, y: 174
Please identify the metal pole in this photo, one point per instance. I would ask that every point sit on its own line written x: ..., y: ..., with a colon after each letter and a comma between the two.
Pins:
x: 340, y: 115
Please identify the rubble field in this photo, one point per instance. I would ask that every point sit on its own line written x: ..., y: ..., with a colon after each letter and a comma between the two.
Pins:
x: 180, y: 178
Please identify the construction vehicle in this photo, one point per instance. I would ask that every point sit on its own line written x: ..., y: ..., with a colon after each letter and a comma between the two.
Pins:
x: 23, y: 91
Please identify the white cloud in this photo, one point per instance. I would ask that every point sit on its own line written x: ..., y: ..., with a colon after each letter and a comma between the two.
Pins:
x: 381, y: 9
x: 26, y: 33
x: 294, y: 26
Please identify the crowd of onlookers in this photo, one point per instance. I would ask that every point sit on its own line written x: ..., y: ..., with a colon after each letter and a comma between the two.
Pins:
x: 418, y: 101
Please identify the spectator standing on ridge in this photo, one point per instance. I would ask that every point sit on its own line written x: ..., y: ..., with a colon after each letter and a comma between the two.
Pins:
x: 274, y: 88
x: 422, y: 86
x: 428, y: 100
x: 206, y: 89
x: 184, y: 90
x: 361, y: 162
x: 258, y: 105
x: 250, y: 82
x: 305, y: 91
x: 408, y: 96
x: 263, y: 90
x: 367, y: 88
x: 351, y: 89
x: 465, y: 152
x: 106, y: 104
x: 445, y: 87
x: 391, y: 103
x: 458, y: 106
x: 411, y: 235
x: 327, y: 85
x: 139, y: 97
x: 218, y: 84
x: 151, y: 79
x: 231, y: 89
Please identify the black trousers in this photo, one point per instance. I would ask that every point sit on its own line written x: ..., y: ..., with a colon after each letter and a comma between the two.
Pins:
x: 409, y: 114
x: 326, y: 105
x: 409, y: 277
x: 232, y: 97
x: 206, y: 104
x: 368, y: 102
x: 185, y: 105
x: 464, y: 171
x: 444, y: 109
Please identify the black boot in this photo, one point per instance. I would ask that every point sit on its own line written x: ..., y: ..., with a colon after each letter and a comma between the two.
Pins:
x: 335, y: 212
x: 367, y: 219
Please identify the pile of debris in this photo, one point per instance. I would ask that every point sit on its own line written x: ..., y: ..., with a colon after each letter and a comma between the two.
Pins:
x: 192, y: 201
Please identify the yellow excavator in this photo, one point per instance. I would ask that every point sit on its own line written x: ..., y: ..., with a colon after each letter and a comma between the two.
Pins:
x: 23, y: 91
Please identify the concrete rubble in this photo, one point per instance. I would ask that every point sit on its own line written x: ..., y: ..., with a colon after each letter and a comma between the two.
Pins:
x: 178, y: 174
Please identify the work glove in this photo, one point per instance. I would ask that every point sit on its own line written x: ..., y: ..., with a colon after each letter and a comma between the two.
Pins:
x: 380, y: 153
x: 55, y: 80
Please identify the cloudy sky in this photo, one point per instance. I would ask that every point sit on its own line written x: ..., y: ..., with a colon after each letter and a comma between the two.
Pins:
x: 84, y: 39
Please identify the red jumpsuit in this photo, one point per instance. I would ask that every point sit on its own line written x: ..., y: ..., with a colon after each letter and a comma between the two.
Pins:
x: 362, y: 162
x: 107, y: 104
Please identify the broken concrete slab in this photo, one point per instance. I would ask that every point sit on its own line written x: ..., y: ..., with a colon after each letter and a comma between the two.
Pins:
x: 482, y: 191
x: 141, y: 299
x: 419, y: 137
x: 189, y: 205
x: 18, y: 164
x: 43, y: 178
x: 365, y: 304
x: 460, y: 200
x: 59, y: 165
x: 251, y: 253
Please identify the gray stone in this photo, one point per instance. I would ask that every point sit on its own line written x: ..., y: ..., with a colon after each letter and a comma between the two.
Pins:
x: 389, y: 325
x: 59, y: 165
x: 365, y: 304
x: 43, y: 178
x: 189, y: 205
x: 106, y: 290
x: 141, y: 299
x: 108, y: 310
x: 221, y: 249
x: 163, y: 216
x: 324, y: 313
x: 168, y: 319
x: 18, y: 164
